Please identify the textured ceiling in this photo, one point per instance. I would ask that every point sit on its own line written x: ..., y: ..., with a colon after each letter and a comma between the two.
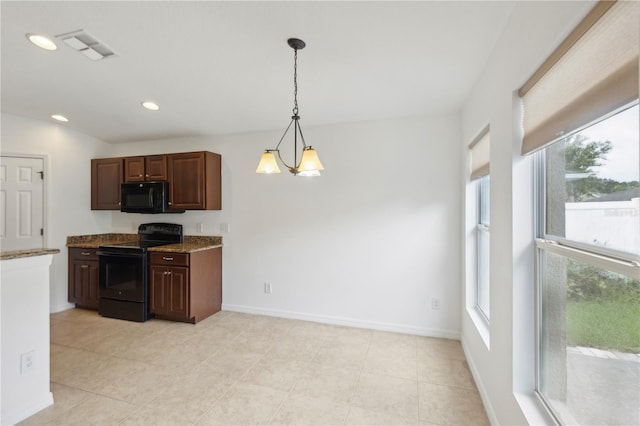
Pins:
x: 225, y: 67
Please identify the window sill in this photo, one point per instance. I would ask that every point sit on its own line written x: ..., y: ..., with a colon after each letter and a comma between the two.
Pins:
x: 482, y: 325
x: 534, y: 410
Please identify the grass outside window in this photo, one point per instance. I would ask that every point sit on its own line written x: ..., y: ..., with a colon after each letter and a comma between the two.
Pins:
x: 607, y: 325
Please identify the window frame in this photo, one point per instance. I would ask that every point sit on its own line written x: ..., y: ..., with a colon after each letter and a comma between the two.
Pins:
x: 621, y: 262
x: 485, y: 230
x: 541, y: 230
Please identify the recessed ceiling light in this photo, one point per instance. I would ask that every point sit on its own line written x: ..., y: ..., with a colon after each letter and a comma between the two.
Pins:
x: 60, y: 117
x: 42, y: 41
x: 151, y: 106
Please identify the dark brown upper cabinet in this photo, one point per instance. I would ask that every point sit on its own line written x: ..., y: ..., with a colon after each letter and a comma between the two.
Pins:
x: 195, y: 180
x: 149, y: 168
x: 106, y: 177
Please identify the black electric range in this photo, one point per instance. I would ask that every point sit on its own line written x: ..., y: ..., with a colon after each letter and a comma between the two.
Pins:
x: 124, y: 271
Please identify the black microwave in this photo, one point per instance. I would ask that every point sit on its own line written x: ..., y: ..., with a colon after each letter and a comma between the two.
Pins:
x: 145, y: 197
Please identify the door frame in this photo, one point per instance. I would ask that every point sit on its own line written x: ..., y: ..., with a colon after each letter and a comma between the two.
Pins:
x: 45, y: 189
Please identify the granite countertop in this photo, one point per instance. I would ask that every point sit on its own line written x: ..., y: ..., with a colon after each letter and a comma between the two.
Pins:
x: 192, y: 243
x: 16, y: 254
x: 97, y: 240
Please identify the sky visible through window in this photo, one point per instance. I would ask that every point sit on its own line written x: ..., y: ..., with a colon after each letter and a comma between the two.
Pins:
x: 622, y: 162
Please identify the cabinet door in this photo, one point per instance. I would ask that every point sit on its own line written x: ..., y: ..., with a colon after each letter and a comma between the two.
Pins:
x: 92, y: 292
x: 106, y: 177
x: 156, y: 167
x: 75, y: 283
x: 157, y: 293
x: 169, y: 288
x: 83, y: 286
x: 186, y: 180
x: 134, y: 169
x: 178, y: 291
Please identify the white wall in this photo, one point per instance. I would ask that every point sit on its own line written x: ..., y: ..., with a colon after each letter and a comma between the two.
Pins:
x: 504, y: 368
x: 24, y: 318
x: 67, y: 186
x: 368, y: 243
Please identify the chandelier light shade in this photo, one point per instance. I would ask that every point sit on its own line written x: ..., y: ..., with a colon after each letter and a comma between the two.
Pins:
x: 305, y: 160
x: 268, y: 163
x: 310, y: 164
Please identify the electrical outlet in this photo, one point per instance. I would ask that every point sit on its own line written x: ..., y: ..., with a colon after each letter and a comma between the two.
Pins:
x: 225, y: 227
x: 435, y: 303
x: 27, y: 362
x: 200, y: 227
x: 267, y: 288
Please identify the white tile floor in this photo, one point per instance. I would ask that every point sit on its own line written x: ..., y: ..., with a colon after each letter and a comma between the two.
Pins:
x: 235, y: 368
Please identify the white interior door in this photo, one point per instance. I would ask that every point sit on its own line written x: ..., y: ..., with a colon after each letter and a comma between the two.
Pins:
x: 21, y: 203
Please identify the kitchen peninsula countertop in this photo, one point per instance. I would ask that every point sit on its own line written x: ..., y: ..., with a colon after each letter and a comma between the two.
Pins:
x: 17, y: 254
x: 192, y: 243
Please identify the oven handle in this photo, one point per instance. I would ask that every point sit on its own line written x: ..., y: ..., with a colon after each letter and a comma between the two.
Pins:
x: 113, y: 254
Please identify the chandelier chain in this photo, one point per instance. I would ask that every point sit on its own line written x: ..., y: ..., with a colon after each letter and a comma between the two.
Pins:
x: 295, y: 82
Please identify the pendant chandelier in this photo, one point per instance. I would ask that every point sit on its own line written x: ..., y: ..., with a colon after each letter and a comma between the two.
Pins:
x: 309, y: 164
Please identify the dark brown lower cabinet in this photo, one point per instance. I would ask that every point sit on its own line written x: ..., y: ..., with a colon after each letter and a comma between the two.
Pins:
x: 186, y: 286
x: 170, y: 291
x: 83, y: 278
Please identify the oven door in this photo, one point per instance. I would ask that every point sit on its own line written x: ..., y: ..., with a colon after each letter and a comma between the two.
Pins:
x: 122, y: 275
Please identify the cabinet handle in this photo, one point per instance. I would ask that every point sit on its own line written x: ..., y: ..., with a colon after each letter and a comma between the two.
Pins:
x: 86, y: 253
x: 170, y: 203
x: 84, y: 266
x: 167, y: 258
x: 139, y: 175
x: 147, y: 175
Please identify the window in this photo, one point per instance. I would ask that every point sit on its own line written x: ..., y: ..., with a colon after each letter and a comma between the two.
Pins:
x: 480, y: 154
x: 595, y: 173
x: 482, y: 237
x: 581, y: 118
x: 589, y: 285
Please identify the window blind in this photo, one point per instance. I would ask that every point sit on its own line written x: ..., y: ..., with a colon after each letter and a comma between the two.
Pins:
x: 592, y: 73
x: 480, y: 155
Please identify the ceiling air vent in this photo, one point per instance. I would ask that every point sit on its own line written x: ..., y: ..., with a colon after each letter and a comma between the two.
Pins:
x: 86, y: 44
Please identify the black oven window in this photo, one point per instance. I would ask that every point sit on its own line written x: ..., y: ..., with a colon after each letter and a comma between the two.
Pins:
x: 122, y: 276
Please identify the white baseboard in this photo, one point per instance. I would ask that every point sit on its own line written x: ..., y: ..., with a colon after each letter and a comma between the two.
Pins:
x: 349, y: 322
x: 15, y: 416
x: 60, y: 308
x: 481, y: 389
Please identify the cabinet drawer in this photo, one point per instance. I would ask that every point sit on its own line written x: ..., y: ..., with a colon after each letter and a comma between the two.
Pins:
x: 83, y: 253
x: 168, y: 259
